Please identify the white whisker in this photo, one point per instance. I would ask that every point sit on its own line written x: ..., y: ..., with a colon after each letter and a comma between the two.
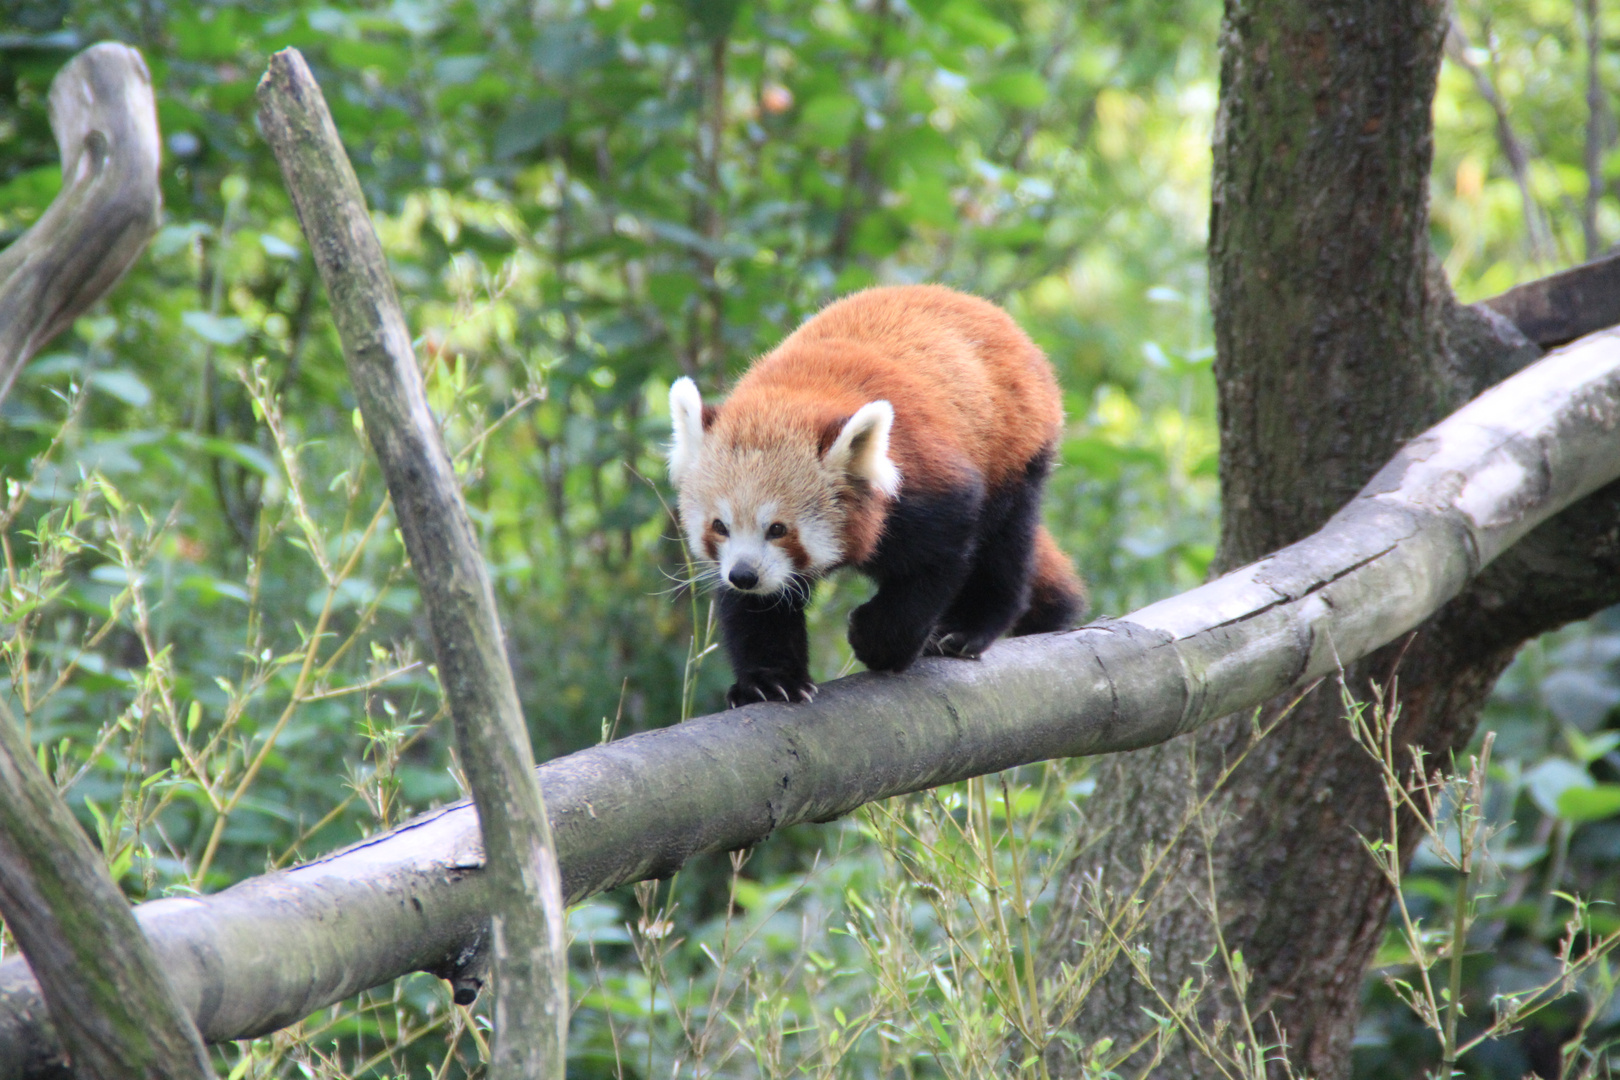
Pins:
x: 703, y: 579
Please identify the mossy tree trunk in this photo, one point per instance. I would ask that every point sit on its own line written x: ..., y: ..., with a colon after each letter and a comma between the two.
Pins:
x: 1337, y: 339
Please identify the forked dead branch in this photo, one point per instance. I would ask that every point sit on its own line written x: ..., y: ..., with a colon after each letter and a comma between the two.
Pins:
x: 119, y: 1015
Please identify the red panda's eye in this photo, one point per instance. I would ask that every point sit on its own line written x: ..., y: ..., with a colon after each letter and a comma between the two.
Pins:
x: 776, y: 531
x: 719, y: 527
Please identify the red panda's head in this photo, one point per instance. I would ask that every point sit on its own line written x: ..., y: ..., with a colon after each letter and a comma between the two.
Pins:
x: 767, y: 499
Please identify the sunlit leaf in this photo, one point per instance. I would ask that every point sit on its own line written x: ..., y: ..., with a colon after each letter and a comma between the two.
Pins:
x: 216, y: 329
x: 1581, y: 804
x: 1551, y: 779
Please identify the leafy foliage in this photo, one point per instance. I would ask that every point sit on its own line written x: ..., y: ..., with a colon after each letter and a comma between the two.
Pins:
x: 209, y: 629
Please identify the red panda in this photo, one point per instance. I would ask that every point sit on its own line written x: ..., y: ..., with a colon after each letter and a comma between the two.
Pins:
x: 905, y: 431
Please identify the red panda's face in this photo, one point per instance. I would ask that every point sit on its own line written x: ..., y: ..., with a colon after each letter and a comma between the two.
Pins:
x: 761, y: 518
x: 762, y: 501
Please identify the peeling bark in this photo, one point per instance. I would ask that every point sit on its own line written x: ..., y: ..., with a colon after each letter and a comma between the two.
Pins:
x: 274, y: 949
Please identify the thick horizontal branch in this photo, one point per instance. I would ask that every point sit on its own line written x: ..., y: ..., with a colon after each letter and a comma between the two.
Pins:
x: 271, y: 950
x: 106, y: 127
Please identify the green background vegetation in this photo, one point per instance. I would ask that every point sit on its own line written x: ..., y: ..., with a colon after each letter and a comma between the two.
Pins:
x: 212, y: 639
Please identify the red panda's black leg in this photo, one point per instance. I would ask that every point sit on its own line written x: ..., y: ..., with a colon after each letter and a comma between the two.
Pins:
x: 769, y: 648
x: 997, y: 587
x: 919, y: 566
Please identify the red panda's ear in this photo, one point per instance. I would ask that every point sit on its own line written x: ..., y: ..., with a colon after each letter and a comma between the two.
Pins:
x: 689, y: 419
x: 862, y: 448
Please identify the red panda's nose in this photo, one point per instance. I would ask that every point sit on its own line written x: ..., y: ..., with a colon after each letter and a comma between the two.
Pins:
x: 743, y: 576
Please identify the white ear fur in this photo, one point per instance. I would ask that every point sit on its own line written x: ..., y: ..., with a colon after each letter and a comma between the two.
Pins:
x: 686, y: 415
x: 862, y: 447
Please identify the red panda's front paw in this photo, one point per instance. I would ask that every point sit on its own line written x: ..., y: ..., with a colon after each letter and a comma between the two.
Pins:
x: 753, y: 687
x: 878, y: 643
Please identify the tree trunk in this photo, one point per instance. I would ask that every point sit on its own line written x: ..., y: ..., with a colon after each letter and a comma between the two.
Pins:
x: 1336, y: 341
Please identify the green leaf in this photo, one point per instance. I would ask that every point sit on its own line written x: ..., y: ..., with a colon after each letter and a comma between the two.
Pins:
x: 929, y: 200
x: 1588, y: 750
x: 215, y: 329
x: 456, y: 70
x: 565, y: 49
x: 829, y: 120
x: 528, y: 127
x: 124, y: 385
x: 277, y: 248
x: 382, y: 57
x: 1103, y: 459
x: 34, y: 189
x: 1549, y: 781
x: 1020, y: 89
x: 974, y: 26
x: 245, y: 454
x: 206, y: 34
x: 1578, y: 805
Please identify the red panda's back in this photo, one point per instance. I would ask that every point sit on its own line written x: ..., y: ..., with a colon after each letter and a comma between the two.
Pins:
x: 967, y: 385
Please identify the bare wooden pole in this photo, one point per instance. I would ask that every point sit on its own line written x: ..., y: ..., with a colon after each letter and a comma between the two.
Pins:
x: 526, y: 939
x: 106, y: 127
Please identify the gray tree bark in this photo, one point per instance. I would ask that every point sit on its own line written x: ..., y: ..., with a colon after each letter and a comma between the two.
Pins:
x: 526, y: 923
x: 106, y: 128
x: 1336, y: 340
x: 113, y: 1007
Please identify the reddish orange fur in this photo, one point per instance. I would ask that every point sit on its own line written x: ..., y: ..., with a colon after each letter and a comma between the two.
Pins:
x: 1053, y: 574
x: 970, y: 390
x: 905, y: 431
